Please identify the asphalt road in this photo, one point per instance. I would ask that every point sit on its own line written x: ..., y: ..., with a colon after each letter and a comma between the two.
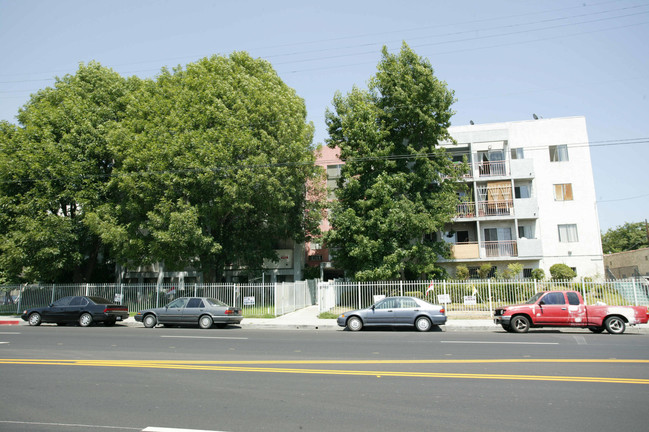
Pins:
x: 133, y: 379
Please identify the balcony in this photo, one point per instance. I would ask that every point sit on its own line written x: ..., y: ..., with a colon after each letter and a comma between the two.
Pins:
x: 488, y: 249
x: 461, y: 251
x: 496, y: 208
x: 501, y: 248
x: 492, y: 168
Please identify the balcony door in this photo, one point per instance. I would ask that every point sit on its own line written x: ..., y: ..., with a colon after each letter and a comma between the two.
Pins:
x: 498, y: 242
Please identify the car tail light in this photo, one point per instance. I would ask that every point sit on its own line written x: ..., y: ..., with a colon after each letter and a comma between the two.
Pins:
x: 230, y: 311
x: 442, y: 310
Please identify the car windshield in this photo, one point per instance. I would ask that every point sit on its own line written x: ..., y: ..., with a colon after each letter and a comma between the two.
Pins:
x: 99, y: 300
x: 215, y: 302
x: 535, y: 298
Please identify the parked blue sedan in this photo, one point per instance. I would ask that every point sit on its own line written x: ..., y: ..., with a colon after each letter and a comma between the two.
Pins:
x: 395, y: 311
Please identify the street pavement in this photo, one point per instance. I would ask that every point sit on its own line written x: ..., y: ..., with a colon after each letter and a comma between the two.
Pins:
x: 307, y: 319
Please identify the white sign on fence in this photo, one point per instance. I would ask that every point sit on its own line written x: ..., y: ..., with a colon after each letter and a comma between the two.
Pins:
x: 470, y: 300
x: 443, y: 298
x: 118, y: 298
x: 249, y: 301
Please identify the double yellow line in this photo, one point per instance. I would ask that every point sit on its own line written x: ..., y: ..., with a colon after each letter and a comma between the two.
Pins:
x: 248, y: 366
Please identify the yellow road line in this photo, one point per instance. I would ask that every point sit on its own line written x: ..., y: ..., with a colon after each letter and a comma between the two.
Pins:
x: 230, y: 366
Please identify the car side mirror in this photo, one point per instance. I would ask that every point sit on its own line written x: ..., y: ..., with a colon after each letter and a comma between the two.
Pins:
x: 373, y: 307
x: 51, y: 304
x: 541, y: 303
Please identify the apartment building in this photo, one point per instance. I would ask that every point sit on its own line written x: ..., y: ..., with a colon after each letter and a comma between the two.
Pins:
x: 529, y: 198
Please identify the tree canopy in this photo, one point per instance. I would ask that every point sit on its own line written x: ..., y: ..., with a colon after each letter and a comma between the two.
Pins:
x: 629, y: 236
x: 54, y: 169
x: 397, y: 184
x: 202, y: 166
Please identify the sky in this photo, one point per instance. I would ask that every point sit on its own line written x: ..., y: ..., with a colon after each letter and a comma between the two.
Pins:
x: 505, y: 60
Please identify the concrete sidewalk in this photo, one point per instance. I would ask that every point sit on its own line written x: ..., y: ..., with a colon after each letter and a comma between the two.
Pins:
x: 307, y: 319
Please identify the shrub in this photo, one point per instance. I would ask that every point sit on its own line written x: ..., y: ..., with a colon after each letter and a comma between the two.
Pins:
x: 462, y: 272
x: 562, y: 272
x: 538, y: 274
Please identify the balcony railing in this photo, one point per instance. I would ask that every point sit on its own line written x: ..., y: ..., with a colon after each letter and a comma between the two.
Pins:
x: 485, y: 208
x: 496, y: 208
x: 502, y: 248
x: 492, y: 168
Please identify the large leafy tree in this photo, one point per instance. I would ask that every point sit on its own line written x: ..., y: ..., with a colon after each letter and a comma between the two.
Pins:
x: 211, y: 168
x: 629, y: 236
x: 54, y: 168
x: 397, y: 184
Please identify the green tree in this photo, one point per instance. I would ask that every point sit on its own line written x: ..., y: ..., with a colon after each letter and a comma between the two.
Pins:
x: 55, y: 167
x: 462, y: 272
x: 629, y: 236
x: 538, y: 274
x: 212, y: 165
x: 562, y: 272
x: 397, y: 184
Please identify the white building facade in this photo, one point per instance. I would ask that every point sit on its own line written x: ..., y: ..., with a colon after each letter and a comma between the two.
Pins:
x: 530, y: 197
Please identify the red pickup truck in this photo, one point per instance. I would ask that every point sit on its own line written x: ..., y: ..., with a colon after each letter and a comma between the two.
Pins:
x: 567, y: 309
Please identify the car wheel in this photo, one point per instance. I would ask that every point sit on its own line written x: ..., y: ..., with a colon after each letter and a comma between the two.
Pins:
x: 354, y: 324
x: 149, y: 321
x: 614, y: 325
x: 85, y: 319
x: 423, y: 324
x: 596, y: 329
x: 205, y: 322
x: 520, y: 324
x: 110, y: 322
x: 35, y: 319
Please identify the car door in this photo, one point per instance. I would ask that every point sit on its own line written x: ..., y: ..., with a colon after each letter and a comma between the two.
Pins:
x: 56, y: 312
x: 192, y: 310
x: 552, y: 309
x: 173, y: 312
x: 407, y: 310
x: 72, y: 311
x: 576, y: 310
x: 384, y: 312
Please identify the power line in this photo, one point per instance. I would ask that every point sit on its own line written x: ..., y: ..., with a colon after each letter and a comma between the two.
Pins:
x: 282, y: 164
x: 432, y: 43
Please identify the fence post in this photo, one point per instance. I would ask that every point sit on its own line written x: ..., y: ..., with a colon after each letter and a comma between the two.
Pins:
x: 359, y: 295
x: 401, y: 287
x: 635, y: 295
x: 53, y: 291
x: 491, y: 309
x: 157, y: 295
x: 20, y: 298
x: 583, y: 289
x: 536, y: 286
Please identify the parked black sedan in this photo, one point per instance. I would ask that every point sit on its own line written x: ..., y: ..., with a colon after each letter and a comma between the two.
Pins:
x: 395, y: 311
x: 84, y: 310
x: 204, y: 311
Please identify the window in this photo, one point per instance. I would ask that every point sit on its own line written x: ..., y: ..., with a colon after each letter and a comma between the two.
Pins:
x: 388, y: 304
x: 527, y: 272
x: 573, y: 299
x: 568, y: 233
x: 65, y: 301
x: 522, y: 191
x: 554, y: 298
x: 76, y: 301
x: 408, y: 303
x: 195, y: 303
x: 517, y: 153
x: 563, y: 192
x: 462, y: 236
x: 559, y: 153
x: 525, y: 231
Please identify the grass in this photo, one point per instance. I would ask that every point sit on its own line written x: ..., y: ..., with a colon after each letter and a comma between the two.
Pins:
x: 328, y: 315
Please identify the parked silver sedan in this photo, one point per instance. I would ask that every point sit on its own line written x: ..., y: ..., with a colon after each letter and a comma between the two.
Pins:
x: 204, y: 311
x: 395, y: 311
